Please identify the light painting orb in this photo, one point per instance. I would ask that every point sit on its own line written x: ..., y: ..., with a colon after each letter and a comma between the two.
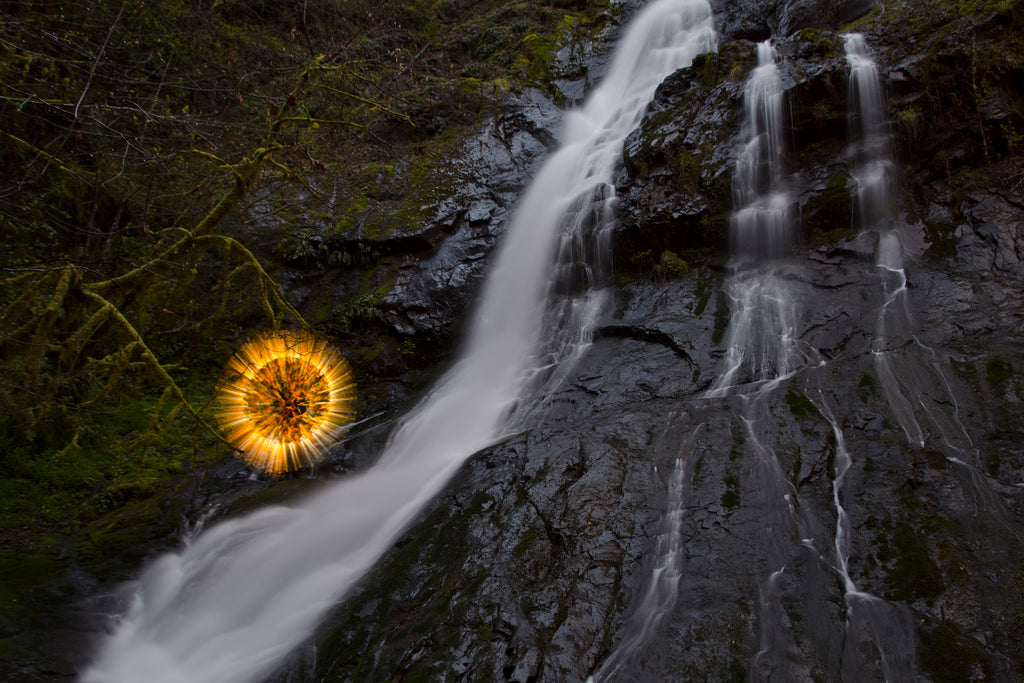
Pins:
x: 287, y: 397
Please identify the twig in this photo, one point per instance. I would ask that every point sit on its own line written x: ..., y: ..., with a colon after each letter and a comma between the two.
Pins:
x: 99, y: 56
x: 409, y: 65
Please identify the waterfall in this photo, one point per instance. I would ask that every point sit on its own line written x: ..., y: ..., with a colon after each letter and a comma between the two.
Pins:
x: 761, y: 225
x: 763, y: 351
x: 916, y: 385
x: 662, y: 588
x: 873, y: 623
x: 761, y: 354
x: 874, y: 206
x: 760, y: 340
x: 247, y: 591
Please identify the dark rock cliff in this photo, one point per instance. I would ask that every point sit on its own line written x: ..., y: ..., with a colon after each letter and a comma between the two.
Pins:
x: 638, y: 520
x: 536, y: 562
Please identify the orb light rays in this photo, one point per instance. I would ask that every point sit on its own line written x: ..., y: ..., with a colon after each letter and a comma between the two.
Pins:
x: 287, y: 397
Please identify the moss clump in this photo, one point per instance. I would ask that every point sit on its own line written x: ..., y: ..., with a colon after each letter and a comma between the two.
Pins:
x: 826, y: 44
x: 867, y: 386
x: 670, y: 267
x: 800, y: 405
x: 999, y: 373
x: 913, y: 573
x: 826, y: 217
x: 525, y: 543
x: 703, y: 293
x: 731, y: 497
x: 950, y: 657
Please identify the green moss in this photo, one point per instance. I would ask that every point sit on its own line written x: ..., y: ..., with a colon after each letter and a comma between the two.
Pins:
x: 738, y: 443
x: 867, y: 386
x: 24, y: 573
x: 800, y: 405
x: 525, y: 543
x: 698, y: 467
x: 999, y: 373
x: 731, y: 497
x: 670, y: 267
x: 827, y: 44
x: 949, y: 656
x: 913, y: 574
x: 704, y: 289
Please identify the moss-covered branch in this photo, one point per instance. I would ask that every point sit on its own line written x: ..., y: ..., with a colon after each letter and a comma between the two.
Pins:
x: 150, y: 359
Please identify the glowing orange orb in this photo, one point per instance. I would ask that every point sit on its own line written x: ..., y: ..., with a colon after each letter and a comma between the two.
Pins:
x: 288, y: 396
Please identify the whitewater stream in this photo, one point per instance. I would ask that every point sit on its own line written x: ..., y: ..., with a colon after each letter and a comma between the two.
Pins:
x: 246, y: 592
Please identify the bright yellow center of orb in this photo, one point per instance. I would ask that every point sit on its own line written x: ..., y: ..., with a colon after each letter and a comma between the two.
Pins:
x: 287, y: 398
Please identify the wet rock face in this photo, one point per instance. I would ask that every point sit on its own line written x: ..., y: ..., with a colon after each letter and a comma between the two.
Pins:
x: 430, y: 293
x: 675, y: 187
x: 675, y: 184
x: 759, y: 20
x: 538, y: 561
x: 532, y: 564
x: 992, y: 237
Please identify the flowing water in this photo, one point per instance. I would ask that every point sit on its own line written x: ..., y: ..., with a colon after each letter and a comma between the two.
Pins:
x: 761, y: 353
x: 914, y: 376
x: 244, y: 593
x: 662, y: 587
x: 765, y: 290
x: 761, y: 348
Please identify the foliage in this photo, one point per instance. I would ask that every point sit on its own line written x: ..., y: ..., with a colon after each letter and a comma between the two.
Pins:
x: 136, y: 138
x: 969, y: 57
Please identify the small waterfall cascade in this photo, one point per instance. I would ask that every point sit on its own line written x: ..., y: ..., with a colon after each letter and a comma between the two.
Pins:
x: 874, y: 208
x: 873, y: 172
x: 904, y: 365
x: 760, y: 337
x: 245, y: 592
x: 762, y: 223
x: 871, y: 622
x: 901, y: 377
x: 661, y: 590
x: 916, y: 384
x: 874, y: 211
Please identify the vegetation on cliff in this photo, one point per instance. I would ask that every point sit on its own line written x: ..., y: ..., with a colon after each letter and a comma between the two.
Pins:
x: 142, y: 143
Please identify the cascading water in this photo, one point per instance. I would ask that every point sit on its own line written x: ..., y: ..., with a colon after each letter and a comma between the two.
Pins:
x: 874, y: 204
x: 761, y: 353
x: 916, y: 386
x: 662, y: 588
x: 872, y: 624
x: 760, y: 340
x: 873, y: 183
x: 247, y: 591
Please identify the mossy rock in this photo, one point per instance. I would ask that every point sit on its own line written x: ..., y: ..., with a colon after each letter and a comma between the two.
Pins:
x: 826, y: 217
x: 950, y: 657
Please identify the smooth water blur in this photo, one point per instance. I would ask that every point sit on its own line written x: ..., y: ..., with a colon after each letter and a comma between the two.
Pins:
x: 761, y: 225
x: 662, y: 587
x: 760, y: 342
x: 244, y: 593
